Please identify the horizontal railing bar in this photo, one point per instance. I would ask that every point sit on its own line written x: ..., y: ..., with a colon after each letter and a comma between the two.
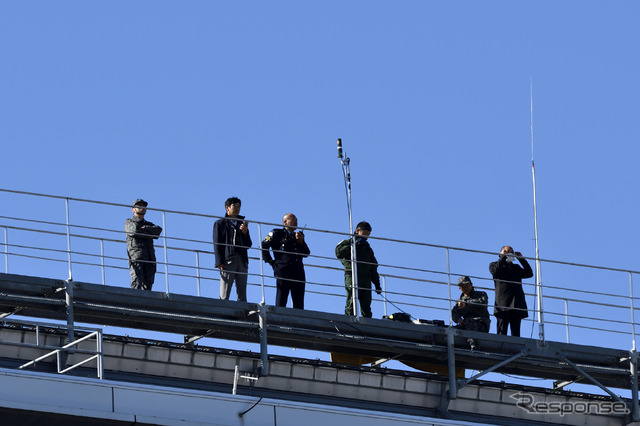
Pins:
x: 277, y: 225
x: 547, y: 297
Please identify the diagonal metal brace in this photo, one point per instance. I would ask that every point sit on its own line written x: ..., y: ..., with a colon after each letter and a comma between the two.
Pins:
x: 15, y: 311
x: 463, y: 382
x: 560, y: 385
x: 188, y: 340
x: 594, y: 381
x: 383, y: 360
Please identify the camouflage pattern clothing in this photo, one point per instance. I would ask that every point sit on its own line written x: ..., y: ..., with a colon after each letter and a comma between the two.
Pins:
x: 142, y: 255
x: 367, y: 269
x: 475, y: 313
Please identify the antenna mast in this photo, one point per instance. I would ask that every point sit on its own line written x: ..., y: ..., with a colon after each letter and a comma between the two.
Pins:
x: 535, y: 228
x: 346, y: 171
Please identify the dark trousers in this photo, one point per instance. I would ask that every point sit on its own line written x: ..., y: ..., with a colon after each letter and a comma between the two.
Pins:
x: 290, y: 281
x: 364, y: 297
x: 509, y: 318
x: 142, y: 273
x: 473, y: 325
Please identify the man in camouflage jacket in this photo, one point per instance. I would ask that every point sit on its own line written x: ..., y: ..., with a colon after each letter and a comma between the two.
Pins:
x: 470, y: 311
x: 142, y: 255
x: 367, y: 269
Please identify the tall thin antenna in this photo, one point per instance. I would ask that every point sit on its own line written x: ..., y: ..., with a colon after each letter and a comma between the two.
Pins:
x: 535, y: 228
x: 346, y: 171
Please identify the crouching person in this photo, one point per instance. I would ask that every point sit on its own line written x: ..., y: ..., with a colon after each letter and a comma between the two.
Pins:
x: 470, y: 311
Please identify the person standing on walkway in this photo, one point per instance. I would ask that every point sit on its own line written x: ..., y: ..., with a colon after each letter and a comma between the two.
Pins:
x: 140, y: 251
x: 366, y: 267
x: 510, y: 305
x: 231, y: 240
x: 289, y: 248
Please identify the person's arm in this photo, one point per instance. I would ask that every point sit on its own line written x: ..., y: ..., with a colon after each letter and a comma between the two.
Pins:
x: 480, y: 299
x: 456, y: 315
x: 303, y: 248
x: 497, y: 268
x: 343, y: 250
x: 141, y: 229
x: 131, y: 228
x: 243, y: 228
x: 218, y: 246
x: 264, y: 246
x: 375, y: 277
x: 150, y: 229
x: 527, y: 272
x: 245, y: 237
x: 477, y: 307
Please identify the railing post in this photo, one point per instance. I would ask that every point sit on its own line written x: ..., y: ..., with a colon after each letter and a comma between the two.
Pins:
x: 633, y: 318
x: 566, y: 317
x: 634, y: 356
x: 449, y: 288
x: 100, y: 359
x: 451, y: 350
x: 264, y: 356
x: 261, y: 261
x: 69, y: 310
x: 236, y: 377
x: 68, y: 292
x: 451, y: 363
x: 102, y: 260
x: 6, y: 250
x: 354, y: 275
x: 384, y: 294
x: 68, y: 240
x: 166, y: 260
x: 634, y: 384
x: 198, y: 270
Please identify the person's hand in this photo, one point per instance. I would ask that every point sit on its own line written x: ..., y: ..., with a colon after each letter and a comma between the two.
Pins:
x: 461, y: 304
x: 518, y: 254
x: 221, y: 267
x: 460, y: 321
x: 244, y: 228
x: 378, y: 289
x: 299, y: 237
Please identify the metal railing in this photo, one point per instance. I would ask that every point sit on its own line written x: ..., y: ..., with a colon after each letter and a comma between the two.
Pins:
x: 61, y: 353
x: 44, y: 241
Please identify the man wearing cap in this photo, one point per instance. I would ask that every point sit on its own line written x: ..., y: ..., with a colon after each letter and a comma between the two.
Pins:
x: 231, y: 240
x: 366, y: 267
x: 289, y: 248
x: 510, y: 305
x: 470, y: 311
x: 142, y: 256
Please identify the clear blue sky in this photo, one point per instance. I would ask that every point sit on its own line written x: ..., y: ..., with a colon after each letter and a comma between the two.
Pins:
x: 187, y: 103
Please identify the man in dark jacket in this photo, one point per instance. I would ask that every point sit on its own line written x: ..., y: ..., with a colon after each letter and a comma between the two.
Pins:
x: 230, y: 242
x: 470, y: 311
x: 289, y: 248
x: 142, y: 255
x: 366, y: 269
x: 510, y: 304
